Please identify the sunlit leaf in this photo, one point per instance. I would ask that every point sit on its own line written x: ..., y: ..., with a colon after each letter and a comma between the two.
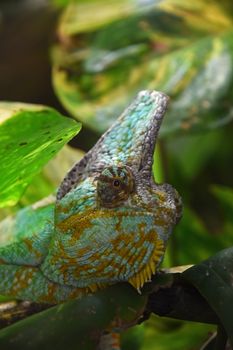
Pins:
x: 30, y: 135
x: 48, y: 180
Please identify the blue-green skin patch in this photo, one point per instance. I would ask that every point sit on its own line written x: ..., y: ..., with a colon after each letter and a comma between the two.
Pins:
x: 111, y: 221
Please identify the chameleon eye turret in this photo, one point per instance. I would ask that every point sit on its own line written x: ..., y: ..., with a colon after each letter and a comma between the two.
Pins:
x: 114, y: 185
x: 111, y: 222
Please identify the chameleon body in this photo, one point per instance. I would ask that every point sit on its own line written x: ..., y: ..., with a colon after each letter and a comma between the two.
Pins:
x: 111, y: 220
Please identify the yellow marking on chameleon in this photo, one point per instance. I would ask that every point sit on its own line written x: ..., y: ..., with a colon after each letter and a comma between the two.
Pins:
x: 81, y: 221
x: 49, y: 296
x: 78, y: 293
x: 167, y: 211
x: 22, y: 278
x: 58, y: 253
x: 77, y: 222
x: 93, y: 287
x: 30, y: 247
x: 132, y: 259
x: 161, y: 195
x: 144, y: 275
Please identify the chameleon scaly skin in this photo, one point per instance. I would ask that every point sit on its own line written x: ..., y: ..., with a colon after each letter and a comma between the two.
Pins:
x: 111, y: 221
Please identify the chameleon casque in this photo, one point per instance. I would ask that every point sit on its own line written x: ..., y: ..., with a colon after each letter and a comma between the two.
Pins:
x: 111, y: 220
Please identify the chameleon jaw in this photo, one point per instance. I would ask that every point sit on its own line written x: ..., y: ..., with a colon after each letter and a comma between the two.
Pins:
x: 141, y: 277
x: 144, y: 275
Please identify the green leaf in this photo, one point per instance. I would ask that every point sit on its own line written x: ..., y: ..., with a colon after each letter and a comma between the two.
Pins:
x: 48, y: 180
x: 109, y: 51
x: 30, y: 135
x: 213, y: 279
x: 133, y: 338
x: 77, y: 323
x: 191, y: 242
x: 60, y: 3
x: 157, y: 165
x: 181, y: 147
x: 74, y: 22
x: 225, y: 197
x: 167, y: 334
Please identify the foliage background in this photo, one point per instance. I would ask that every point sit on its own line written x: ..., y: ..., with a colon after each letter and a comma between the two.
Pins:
x: 196, y: 157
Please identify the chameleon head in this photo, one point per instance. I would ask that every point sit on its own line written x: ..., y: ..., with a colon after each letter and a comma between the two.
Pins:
x: 112, y: 220
x: 117, y: 186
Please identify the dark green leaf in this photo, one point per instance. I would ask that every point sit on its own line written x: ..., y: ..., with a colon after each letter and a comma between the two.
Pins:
x: 75, y: 324
x: 167, y: 334
x: 225, y: 197
x: 213, y: 279
x: 191, y: 242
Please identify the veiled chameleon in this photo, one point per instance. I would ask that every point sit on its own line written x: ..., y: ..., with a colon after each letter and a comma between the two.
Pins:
x: 111, y: 221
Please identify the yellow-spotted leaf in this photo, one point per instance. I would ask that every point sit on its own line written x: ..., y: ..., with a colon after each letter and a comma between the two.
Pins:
x: 108, y: 51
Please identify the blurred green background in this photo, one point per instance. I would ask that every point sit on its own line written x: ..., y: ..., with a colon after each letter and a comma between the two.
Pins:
x: 88, y: 59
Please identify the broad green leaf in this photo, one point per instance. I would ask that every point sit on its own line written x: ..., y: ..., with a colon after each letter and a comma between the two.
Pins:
x: 48, y: 180
x: 110, y: 50
x: 30, y: 135
x: 75, y: 324
x: 74, y: 22
x: 213, y: 279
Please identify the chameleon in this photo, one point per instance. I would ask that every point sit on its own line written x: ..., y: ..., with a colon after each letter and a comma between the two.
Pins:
x: 111, y: 219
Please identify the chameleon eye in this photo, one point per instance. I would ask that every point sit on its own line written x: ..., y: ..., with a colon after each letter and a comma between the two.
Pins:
x: 114, y: 185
